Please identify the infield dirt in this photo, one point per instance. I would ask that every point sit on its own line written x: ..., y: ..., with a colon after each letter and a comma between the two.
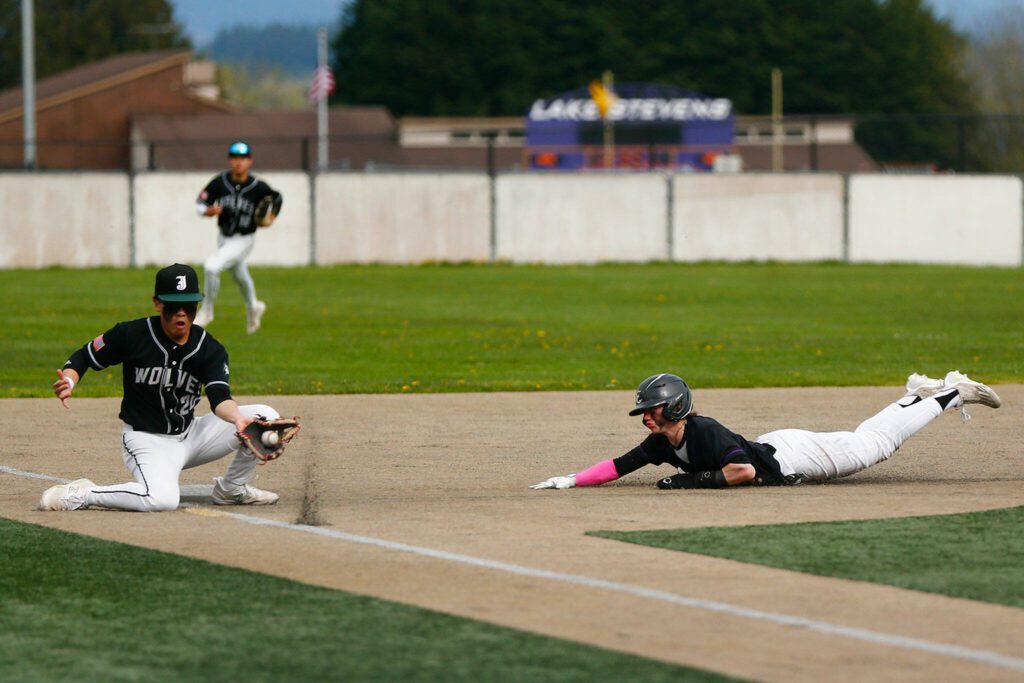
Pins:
x: 451, y: 473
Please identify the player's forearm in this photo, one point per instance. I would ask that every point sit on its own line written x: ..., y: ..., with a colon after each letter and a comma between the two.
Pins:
x: 228, y: 411
x: 599, y: 473
x: 738, y: 473
x: 730, y: 475
x: 78, y: 363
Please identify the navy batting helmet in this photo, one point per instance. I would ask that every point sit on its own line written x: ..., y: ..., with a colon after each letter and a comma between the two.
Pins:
x: 664, y: 390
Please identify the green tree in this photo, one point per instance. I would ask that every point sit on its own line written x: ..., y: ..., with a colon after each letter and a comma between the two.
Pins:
x: 262, y: 88
x: 995, y: 64
x: 495, y: 57
x: 70, y: 33
x: 917, y: 72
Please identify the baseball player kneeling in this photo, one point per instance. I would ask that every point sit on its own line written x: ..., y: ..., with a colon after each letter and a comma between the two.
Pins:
x: 167, y: 362
x: 710, y: 456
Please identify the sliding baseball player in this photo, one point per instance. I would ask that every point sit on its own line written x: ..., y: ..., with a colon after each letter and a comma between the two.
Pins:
x: 707, y: 455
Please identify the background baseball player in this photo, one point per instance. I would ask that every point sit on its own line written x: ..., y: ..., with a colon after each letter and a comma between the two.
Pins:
x: 167, y: 363
x: 233, y: 197
x: 710, y: 456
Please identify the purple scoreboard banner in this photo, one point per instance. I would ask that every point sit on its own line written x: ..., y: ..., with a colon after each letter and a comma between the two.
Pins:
x: 654, y: 125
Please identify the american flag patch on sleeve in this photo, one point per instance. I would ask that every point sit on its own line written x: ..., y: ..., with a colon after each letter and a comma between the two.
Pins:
x: 97, y: 343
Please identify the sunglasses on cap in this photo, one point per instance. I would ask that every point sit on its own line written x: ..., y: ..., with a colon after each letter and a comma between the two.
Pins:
x: 172, y: 307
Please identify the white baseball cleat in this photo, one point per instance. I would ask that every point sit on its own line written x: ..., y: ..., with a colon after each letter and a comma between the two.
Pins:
x: 923, y: 385
x: 66, y: 496
x: 241, y: 495
x: 971, y: 391
x: 253, y: 317
x: 204, y: 317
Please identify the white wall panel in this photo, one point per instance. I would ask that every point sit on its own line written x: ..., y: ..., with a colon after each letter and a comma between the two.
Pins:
x: 971, y: 220
x: 84, y: 219
x: 402, y: 217
x: 167, y: 228
x: 562, y: 218
x: 752, y: 217
x: 64, y: 219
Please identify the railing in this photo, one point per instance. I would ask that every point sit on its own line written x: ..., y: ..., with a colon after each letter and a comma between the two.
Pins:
x: 964, y: 143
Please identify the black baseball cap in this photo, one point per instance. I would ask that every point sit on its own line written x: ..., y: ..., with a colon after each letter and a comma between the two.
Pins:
x: 177, y: 282
x: 239, y: 149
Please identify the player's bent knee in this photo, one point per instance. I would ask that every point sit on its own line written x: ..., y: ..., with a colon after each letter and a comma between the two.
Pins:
x: 162, y: 500
x: 255, y: 409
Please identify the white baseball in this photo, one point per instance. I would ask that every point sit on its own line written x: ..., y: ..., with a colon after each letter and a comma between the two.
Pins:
x: 270, y: 438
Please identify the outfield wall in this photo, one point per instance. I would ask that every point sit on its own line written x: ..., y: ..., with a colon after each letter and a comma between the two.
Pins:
x: 757, y: 217
x: 572, y: 218
x: 168, y: 228
x: 402, y: 218
x: 68, y: 219
x: 936, y: 219
x: 113, y: 219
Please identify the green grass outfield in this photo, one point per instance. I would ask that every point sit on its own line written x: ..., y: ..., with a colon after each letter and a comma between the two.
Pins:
x: 121, y: 613
x: 441, y: 328
x: 115, y: 612
x: 975, y: 555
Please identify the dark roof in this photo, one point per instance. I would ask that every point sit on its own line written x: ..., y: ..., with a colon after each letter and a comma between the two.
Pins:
x: 846, y: 158
x: 92, y: 77
x: 265, y: 123
x: 280, y: 139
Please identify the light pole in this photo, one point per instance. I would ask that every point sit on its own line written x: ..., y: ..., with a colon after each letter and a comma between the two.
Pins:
x: 28, y: 82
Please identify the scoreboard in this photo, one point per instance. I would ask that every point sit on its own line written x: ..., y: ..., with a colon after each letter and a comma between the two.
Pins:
x: 653, y: 126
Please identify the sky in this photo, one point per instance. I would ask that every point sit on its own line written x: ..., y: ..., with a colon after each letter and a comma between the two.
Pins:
x: 203, y: 18
x: 967, y: 15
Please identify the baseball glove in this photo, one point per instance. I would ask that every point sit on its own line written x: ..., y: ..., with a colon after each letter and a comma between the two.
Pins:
x: 264, y: 213
x: 256, y: 442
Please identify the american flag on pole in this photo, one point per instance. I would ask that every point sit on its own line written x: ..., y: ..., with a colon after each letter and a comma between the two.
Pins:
x: 323, y: 83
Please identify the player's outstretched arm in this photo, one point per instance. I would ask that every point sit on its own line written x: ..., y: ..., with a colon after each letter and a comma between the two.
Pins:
x: 730, y: 475
x: 229, y: 412
x: 62, y: 388
x: 600, y: 473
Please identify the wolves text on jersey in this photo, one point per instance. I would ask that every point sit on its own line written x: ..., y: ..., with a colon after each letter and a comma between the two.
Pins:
x: 186, y: 386
x: 242, y: 206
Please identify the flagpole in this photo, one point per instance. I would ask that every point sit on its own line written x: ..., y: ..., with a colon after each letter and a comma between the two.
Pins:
x: 321, y: 105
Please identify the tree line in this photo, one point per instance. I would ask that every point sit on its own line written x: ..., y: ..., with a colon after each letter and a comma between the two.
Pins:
x: 915, y: 84
x: 70, y: 33
x: 493, y: 58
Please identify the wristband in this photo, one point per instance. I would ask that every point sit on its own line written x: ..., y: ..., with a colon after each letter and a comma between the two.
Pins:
x: 695, y: 480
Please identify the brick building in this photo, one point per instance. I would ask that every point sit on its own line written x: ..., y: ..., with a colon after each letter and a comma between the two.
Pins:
x: 83, y: 115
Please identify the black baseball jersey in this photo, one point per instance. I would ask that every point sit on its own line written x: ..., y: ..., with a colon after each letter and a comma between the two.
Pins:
x: 239, y: 202
x: 707, y: 446
x: 162, y: 381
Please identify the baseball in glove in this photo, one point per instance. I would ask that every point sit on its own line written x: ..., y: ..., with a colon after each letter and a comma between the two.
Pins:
x: 264, y: 213
x: 266, y: 439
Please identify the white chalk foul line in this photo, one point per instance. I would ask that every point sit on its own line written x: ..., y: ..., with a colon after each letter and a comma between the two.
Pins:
x: 889, y: 639
x: 982, y: 656
x: 32, y: 475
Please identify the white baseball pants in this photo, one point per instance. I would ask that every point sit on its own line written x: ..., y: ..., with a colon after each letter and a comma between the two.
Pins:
x: 231, y: 254
x: 155, y: 462
x: 829, y: 455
